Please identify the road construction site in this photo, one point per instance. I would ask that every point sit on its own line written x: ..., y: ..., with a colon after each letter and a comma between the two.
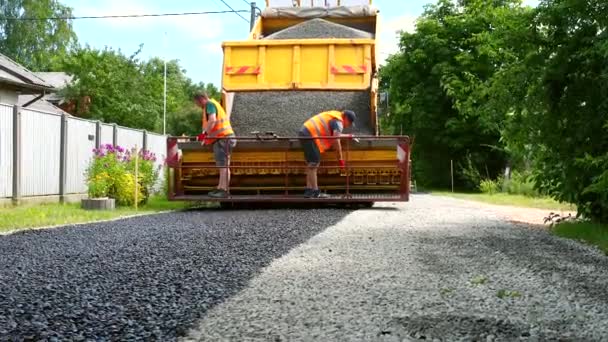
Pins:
x: 434, y: 269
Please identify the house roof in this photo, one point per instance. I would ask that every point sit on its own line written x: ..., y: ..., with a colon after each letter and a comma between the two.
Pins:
x: 19, y: 77
x: 56, y: 79
x: 41, y: 104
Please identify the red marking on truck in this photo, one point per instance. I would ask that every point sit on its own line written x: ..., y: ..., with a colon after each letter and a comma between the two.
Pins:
x: 349, y: 69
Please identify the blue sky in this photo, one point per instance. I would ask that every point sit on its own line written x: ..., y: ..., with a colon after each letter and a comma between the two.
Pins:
x: 196, y: 39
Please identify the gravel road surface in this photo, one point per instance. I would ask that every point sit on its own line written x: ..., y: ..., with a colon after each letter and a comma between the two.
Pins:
x: 145, y: 278
x: 435, y: 268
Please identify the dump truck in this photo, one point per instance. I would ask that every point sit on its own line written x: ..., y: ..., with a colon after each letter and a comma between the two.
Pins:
x: 300, y: 58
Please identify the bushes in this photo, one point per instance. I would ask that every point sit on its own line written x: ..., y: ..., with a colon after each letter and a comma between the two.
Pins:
x: 488, y: 186
x: 112, y: 174
x: 518, y: 184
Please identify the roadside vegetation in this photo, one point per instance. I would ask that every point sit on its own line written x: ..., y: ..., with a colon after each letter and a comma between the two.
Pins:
x: 506, y: 99
x: 512, y: 200
x: 592, y: 233
x: 43, y: 215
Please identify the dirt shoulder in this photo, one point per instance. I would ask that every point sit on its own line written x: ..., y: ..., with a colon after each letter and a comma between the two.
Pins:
x: 531, y: 216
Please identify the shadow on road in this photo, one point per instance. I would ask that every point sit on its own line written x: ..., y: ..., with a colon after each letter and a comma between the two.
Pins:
x: 148, y: 277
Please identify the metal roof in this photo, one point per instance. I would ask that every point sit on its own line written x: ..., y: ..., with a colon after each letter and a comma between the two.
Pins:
x: 19, y: 77
x: 56, y: 79
x: 41, y: 104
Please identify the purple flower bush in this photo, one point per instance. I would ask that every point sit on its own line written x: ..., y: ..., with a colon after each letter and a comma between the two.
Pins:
x: 111, y: 173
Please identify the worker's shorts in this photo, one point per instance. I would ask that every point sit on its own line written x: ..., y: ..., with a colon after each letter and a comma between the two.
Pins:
x: 222, y: 148
x: 311, y: 150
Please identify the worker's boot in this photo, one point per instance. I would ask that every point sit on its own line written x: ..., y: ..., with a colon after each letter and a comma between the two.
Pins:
x: 308, y: 192
x: 219, y: 193
x: 318, y: 194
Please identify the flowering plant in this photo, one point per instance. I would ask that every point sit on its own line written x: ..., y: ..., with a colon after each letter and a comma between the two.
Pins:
x: 111, y: 173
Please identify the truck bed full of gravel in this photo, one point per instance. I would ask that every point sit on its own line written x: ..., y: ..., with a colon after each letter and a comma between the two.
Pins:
x: 433, y: 269
x: 319, y: 28
x: 284, y: 112
x: 145, y: 278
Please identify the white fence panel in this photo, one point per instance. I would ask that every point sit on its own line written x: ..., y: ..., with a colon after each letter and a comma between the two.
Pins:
x: 6, y: 151
x: 129, y: 138
x: 107, y: 134
x: 40, y: 138
x: 157, y: 144
x: 79, y: 153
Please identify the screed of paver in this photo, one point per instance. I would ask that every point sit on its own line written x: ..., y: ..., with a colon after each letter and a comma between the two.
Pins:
x: 433, y: 269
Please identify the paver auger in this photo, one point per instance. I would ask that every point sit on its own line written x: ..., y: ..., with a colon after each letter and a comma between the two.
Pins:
x: 298, y: 61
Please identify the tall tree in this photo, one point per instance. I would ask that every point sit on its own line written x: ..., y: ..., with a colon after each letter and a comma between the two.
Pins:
x: 558, y: 100
x: 114, y: 88
x: 36, y: 44
x: 188, y: 118
x: 437, y: 84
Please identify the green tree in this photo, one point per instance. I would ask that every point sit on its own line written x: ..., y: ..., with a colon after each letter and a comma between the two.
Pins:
x: 125, y: 90
x: 188, y: 118
x: 557, y: 98
x: 36, y: 44
x: 116, y: 86
x: 438, y: 83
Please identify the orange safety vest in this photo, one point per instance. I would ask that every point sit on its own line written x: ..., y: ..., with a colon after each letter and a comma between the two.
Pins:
x: 222, y: 127
x: 318, y: 126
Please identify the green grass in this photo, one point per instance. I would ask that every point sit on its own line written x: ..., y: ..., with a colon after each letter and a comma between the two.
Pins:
x: 595, y: 234
x: 508, y: 199
x: 32, y: 216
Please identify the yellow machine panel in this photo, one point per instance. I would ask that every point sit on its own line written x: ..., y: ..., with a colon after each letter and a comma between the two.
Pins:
x: 298, y: 64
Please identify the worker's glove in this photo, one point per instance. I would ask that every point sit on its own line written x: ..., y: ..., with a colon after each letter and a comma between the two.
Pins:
x: 351, y: 137
x: 201, y: 137
x: 342, y: 163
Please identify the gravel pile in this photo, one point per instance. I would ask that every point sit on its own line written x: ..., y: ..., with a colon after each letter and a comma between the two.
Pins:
x: 319, y: 28
x: 284, y: 112
x: 146, y: 278
x: 433, y: 269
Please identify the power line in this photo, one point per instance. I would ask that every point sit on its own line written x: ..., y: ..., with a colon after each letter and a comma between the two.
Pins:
x: 133, y: 15
x: 237, y: 13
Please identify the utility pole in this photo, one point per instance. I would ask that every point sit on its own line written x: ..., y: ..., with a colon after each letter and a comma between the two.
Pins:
x: 165, y: 87
x: 252, y: 18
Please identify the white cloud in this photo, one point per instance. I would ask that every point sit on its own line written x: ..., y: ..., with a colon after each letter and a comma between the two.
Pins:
x: 388, y: 37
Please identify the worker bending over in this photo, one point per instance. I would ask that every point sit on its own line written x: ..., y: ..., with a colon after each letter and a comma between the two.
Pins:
x: 217, y: 126
x: 325, y: 124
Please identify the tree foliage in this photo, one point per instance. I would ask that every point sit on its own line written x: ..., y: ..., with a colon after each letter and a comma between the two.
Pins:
x: 558, y: 97
x: 125, y: 90
x: 107, y: 84
x: 438, y: 83
x: 36, y: 44
x: 530, y: 85
x: 116, y: 86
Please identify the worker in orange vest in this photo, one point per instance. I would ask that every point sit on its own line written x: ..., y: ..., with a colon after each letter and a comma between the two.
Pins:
x: 217, y: 126
x: 325, y: 124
